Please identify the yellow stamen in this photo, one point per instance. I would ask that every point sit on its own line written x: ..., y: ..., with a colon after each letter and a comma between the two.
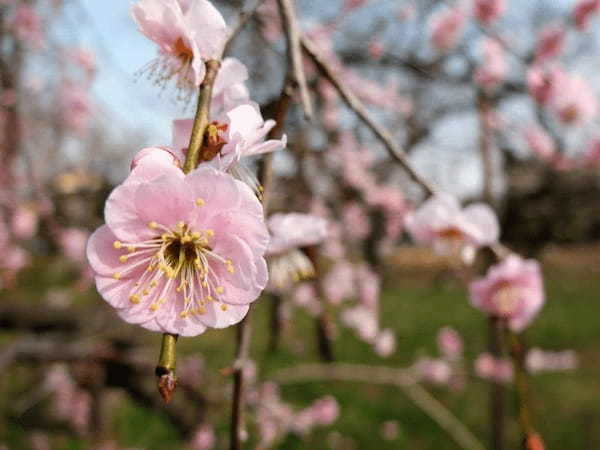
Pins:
x: 117, y: 275
x: 134, y: 298
x: 200, y: 201
x: 117, y: 244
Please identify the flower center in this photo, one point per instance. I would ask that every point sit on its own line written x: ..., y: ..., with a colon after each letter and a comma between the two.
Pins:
x: 182, y: 51
x: 507, y: 299
x: 450, y: 233
x: 179, y: 259
x: 213, y: 140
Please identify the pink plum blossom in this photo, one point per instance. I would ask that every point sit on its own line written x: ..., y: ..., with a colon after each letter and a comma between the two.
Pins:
x: 241, y: 132
x: 488, y: 367
x: 325, y: 410
x: 512, y: 290
x: 385, y: 343
x: 538, y: 360
x: 551, y: 42
x: 75, y: 107
x: 27, y: 25
x: 487, y: 11
x: 376, y: 49
x: 583, y: 11
x: 368, y: 286
x: 575, y: 102
x: 540, y: 142
x: 85, y: 59
x: 543, y: 82
x: 350, y: 5
x: 180, y: 253
x: 289, y: 233
x: 492, y: 70
x: 363, y: 320
x: 203, y: 438
x: 339, y: 282
x: 452, y: 230
x: 24, y: 222
x: 446, y: 28
x: 433, y: 370
x: 450, y: 343
x: 188, y: 33
x: 356, y: 221
x: 73, y: 243
x: 592, y: 152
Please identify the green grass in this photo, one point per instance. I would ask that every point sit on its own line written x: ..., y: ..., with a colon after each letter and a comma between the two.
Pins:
x: 415, y: 306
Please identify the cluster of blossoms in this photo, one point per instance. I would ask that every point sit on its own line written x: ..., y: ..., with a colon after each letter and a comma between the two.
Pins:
x: 276, y: 418
x: 447, y: 369
x: 513, y: 288
x: 183, y: 252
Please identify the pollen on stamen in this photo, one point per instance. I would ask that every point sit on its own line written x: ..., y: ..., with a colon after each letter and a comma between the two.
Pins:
x: 223, y: 307
x: 201, y: 310
x: 123, y: 258
x: 183, y: 314
x: 131, y: 249
x: 117, y: 275
x: 200, y: 201
x: 210, y: 233
x: 210, y: 298
x: 134, y: 298
x: 154, y: 307
x: 219, y: 289
x: 196, y: 235
x: 117, y: 244
x: 153, y: 225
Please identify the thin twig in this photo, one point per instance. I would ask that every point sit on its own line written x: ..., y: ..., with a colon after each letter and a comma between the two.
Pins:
x: 400, y: 378
x: 357, y: 106
x: 294, y: 53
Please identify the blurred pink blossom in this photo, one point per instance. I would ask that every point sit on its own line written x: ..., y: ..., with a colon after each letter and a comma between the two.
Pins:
x: 390, y: 430
x: 27, y: 25
x: 452, y: 230
x: 538, y: 360
x: 339, y: 282
x: 376, y: 49
x: 433, y: 370
x: 544, y: 82
x: 450, y: 343
x: 446, y: 28
x: 490, y: 368
x: 368, y: 285
x: 575, y: 102
x: 325, y: 410
x: 363, y: 320
x: 203, y: 438
x: 512, y: 289
x: 24, y: 222
x: 75, y: 107
x: 492, y: 70
x: 592, y: 152
x: 487, y: 11
x: 73, y: 242
x: 350, y: 5
x: 551, y: 42
x: 540, y: 142
x: 385, y: 343
x: 356, y: 221
x: 289, y: 233
x: 583, y: 11
x: 85, y: 59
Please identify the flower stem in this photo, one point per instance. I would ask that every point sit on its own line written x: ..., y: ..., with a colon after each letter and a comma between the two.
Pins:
x: 202, y: 115
x: 531, y: 439
x: 165, y: 369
